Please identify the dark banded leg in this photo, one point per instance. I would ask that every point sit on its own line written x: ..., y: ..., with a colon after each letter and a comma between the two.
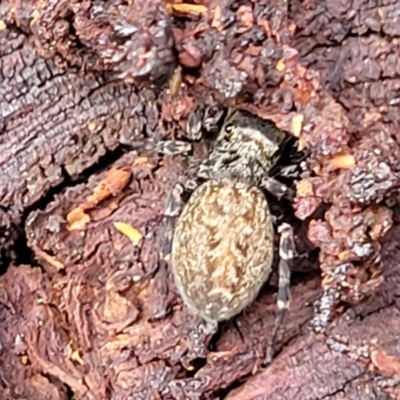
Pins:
x: 171, y: 212
x: 166, y: 147
x: 173, y: 147
x: 287, y: 251
x: 174, y: 200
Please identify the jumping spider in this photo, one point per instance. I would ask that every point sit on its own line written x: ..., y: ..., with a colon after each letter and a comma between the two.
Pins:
x: 222, y: 242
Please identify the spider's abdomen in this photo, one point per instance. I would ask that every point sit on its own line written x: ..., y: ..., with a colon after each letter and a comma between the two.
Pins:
x: 222, y: 249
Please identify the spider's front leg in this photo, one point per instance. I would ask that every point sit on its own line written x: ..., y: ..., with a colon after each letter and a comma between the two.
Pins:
x: 173, y: 205
x: 287, y: 252
x: 166, y: 147
x: 174, y: 202
x: 173, y: 147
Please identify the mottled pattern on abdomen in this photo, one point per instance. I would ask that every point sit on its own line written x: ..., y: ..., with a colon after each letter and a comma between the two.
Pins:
x: 222, y: 248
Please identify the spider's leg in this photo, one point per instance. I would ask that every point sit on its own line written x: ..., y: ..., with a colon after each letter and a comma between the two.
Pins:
x: 277, y: 188
x: 166, y: 147
x: 290, y: 171
x: 287, y: 252
x: 173, y: 147
x: 171, y: 212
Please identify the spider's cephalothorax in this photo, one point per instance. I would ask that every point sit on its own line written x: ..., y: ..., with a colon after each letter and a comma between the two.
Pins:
x: 223, y: 242
x: 246, y: 148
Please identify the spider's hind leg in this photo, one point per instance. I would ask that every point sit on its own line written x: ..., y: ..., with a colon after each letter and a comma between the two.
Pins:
x: 287, y: 252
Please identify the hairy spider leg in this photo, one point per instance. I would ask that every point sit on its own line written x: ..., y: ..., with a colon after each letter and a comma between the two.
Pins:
x: 166, y: 147
x: 287, y: 252
x: 173, y: 208
x: 174, y: 202
x: 272, y: 185
x: 278, y: 189
x: 173, y: 147
x: 171, y: 212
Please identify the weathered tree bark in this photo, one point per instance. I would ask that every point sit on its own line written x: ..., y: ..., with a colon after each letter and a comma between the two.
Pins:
x: 87, y: 307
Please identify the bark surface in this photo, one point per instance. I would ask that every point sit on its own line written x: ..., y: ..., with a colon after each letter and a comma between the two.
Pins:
x: 88, y: 309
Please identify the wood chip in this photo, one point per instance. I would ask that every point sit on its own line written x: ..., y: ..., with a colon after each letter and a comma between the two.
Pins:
x: 95, y: 126
x: 75, y: 356
x: 25, y: 360
x: 386, y: 364
x: 77, y: 219
x: 297, y: 124
x: 35, y: 17
x: 345, y: 161
x: 280, y: 65
x: 115, y: 181
x: 128, y: 230
x: 304, y: 188
x: 175, y: 81
x: 344, y: 255
x: 301, y: 145
x: 185, y: 8
x: 112, y: 185
x: 140, y: 160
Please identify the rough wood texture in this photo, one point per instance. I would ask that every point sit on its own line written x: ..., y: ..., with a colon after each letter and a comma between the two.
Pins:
x: 100, y: 318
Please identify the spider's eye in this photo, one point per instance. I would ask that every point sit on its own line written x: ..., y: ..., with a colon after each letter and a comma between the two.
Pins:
x: 229, y: 130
